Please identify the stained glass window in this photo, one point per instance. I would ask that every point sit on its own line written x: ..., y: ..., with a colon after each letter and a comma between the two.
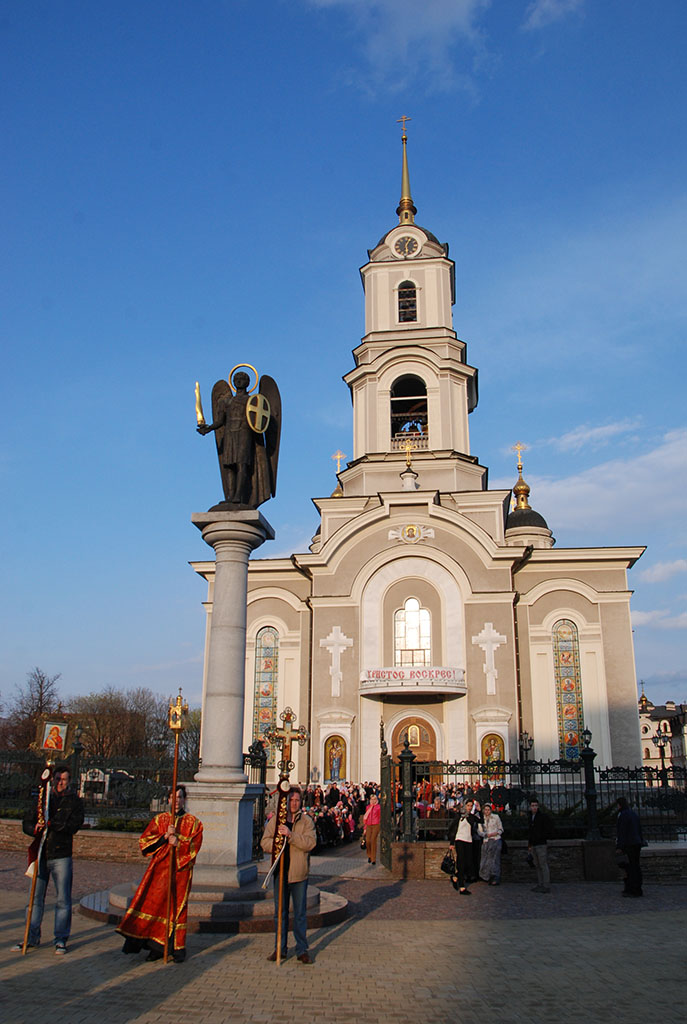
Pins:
x: 412, y: 634
x: 566, y: 664
x: 265, y: 689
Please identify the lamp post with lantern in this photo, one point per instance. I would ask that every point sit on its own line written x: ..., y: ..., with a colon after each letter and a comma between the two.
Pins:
x: 661, y: 740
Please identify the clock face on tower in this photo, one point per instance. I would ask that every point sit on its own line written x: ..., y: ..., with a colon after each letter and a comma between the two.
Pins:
x: 406, y: 245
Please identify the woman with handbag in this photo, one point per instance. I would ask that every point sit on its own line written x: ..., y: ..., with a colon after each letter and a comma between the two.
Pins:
x: 460, y: 834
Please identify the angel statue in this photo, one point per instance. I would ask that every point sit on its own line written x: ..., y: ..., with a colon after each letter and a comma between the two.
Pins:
x: 247, y: 429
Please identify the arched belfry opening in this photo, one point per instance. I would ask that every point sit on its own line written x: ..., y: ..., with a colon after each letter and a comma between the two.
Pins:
x: 407, y: 303
x: 409, y: 413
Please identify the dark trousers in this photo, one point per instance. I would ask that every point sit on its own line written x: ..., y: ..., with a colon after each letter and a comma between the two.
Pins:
x: 463, y: 863
x: 633, y: 881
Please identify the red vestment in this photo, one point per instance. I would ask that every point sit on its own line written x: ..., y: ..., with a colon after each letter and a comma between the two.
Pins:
x: 146, y: 916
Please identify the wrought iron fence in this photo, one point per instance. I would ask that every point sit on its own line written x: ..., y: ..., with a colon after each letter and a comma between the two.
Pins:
x: 127, y: 789
x: 580, y: 797
x: 255, y: 767
x: 658, y: 795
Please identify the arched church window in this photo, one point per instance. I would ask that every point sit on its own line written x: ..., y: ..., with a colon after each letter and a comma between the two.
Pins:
x: 409, y: 413
x: 566, y: 659
x: 265, y: 685
x: 647, y: 754
x: 407, y: 302
x: 412, y: 635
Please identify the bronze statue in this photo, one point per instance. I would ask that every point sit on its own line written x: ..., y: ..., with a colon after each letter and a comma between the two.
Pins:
x: 247, y: 429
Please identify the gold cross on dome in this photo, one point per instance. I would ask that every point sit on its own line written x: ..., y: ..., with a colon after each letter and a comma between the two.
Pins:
x: 519, y: 448
x: 338, y: 457
x: 402, y: 120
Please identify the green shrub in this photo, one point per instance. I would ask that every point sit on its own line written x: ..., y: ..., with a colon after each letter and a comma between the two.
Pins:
x: 121, y: 824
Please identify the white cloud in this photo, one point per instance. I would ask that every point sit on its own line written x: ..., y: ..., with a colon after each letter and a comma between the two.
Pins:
x: 627, y: 492
x: 586, y: 436
x: 399, y: 35
x: 660, y: 619
x: 541, y: 13
x: 647, y: 618
x: 663, y: 570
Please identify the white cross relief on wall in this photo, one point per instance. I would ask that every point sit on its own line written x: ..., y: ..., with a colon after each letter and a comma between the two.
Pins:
x: 336, y: 643
x: 489, y: 640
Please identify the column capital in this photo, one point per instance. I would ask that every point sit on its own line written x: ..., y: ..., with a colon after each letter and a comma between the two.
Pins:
x: 248, y: 527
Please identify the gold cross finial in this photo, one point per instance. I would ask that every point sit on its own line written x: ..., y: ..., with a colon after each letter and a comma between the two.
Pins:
x: 408, y: 446
x: 284, y: 737
x: 402, y: 120
x: 519, y: 448
x: 338, y: 457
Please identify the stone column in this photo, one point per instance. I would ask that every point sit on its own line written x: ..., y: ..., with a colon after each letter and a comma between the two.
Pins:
x: 221, y: 796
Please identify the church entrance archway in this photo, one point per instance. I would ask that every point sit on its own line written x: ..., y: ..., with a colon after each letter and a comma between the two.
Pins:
x: 421, y: 737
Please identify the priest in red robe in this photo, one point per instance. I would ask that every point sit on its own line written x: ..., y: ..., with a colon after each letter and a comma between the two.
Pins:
x: 144, y: 926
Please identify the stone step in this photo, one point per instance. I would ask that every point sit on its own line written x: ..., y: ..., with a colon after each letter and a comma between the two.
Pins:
x: 239, y: 913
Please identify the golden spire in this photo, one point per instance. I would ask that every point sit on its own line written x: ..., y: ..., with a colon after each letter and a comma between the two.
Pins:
x: 521, y: 489
x: 406, y: 210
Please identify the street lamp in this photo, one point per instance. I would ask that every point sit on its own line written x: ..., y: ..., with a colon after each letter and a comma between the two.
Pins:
x: 526, y: 744
x: 661, y: 740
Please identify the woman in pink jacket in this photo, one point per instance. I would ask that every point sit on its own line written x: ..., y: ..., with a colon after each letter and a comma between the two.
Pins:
x: 371, y: 820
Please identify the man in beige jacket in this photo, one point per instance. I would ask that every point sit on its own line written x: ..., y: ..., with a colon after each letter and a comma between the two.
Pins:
x: 299, y: 831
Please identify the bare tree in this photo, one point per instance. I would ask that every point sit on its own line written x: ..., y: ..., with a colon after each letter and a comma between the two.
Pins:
x: 189, y: 740
x: 37, y: 696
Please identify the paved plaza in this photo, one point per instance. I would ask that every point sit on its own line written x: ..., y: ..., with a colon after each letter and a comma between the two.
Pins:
x: 409, y: 951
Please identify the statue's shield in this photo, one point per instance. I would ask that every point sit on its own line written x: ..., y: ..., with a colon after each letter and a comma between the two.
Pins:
x: 258, y: 413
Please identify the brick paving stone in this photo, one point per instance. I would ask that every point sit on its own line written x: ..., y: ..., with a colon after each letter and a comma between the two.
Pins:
x: 408, y: 951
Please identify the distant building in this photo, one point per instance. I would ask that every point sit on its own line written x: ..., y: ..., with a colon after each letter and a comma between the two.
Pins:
x: 670, y: 718
x: 425, y: 600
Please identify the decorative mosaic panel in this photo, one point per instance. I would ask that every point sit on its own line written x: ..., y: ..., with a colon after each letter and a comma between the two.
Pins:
x: 566, y: 662
x: 265, y: 690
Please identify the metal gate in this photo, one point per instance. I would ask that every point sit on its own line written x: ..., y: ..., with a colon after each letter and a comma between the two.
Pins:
x: 387, y: 801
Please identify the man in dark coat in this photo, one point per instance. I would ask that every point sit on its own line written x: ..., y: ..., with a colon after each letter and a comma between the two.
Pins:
x: 629, y: 839
x: 538, y: 833
x: 64, y: 818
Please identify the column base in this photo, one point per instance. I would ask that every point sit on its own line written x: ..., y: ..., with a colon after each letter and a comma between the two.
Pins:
x: 226, y: 811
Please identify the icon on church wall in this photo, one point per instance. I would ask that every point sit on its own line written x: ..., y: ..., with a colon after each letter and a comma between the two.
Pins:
x: 493, y: 750
x: 335, y: 759
x: 414, y: 735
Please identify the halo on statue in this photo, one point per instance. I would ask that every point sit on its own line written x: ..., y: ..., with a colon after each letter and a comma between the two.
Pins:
x: 245, y: 366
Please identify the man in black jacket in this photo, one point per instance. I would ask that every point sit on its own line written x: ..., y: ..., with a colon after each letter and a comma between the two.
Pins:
x: 65, y: 817
x: 538, y: 833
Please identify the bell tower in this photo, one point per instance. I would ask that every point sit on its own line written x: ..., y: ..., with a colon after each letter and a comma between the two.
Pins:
x: 411, y: 387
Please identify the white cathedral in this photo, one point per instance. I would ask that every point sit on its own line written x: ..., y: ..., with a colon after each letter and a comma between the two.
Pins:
x: 424, y: 601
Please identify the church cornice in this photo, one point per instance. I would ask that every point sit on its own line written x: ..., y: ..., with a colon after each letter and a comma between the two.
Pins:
x: 592, y: 558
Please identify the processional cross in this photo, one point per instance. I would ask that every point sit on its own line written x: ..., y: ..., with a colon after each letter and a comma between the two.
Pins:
x: 283, y: 738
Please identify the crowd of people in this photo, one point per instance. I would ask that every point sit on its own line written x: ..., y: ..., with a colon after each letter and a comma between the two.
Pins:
x: 317, y: 816
x: 338, y: 810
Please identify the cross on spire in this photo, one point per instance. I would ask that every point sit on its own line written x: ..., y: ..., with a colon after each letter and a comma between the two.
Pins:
x: 402, y: 120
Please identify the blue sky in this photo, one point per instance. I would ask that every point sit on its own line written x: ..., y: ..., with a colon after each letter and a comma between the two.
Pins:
x: 189, y: 186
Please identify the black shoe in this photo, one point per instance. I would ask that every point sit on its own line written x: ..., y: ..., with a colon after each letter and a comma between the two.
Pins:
x: 179, y: 956
x: 154, y: 955
x: 464, y: 892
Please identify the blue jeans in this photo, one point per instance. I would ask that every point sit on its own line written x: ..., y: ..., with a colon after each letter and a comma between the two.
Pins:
x: 297, y: 892
x: 61, y: 871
